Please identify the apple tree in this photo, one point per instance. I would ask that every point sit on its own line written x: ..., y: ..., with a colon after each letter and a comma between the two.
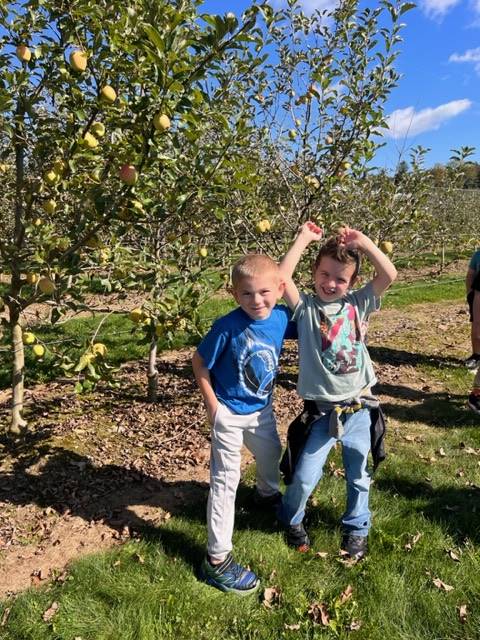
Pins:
x: 97, y: 100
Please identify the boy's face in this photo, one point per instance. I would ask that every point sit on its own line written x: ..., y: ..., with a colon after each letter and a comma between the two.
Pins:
x: 258, y: 294
x: 333, y: 279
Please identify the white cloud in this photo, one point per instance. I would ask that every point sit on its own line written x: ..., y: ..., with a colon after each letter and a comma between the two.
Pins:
x: 404, y: 123
x: 471, y: 55
x: 438, y: 9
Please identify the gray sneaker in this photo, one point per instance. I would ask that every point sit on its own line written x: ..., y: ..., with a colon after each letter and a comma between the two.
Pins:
x: 473, y: 362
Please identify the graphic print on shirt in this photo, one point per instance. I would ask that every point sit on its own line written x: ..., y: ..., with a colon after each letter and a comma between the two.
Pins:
x: 342, y: 341
x: 257, y: 365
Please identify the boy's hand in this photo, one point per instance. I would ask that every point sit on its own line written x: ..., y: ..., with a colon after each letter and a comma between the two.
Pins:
x: 311, y: 232
x: 351, y: 238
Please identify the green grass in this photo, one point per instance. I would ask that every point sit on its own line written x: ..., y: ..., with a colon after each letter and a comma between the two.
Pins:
x: 431, y: 259
x: 448, y: 287
x: 148, y: 590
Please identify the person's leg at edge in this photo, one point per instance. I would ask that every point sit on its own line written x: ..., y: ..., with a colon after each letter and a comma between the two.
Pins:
x: 308, y: 472
x: 357, y: 516
x: 474, y: 397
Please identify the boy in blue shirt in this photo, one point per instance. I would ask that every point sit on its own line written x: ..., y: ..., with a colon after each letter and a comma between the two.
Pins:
x: 235, y: 367
x: 473, y: 298
x: 335, y: 375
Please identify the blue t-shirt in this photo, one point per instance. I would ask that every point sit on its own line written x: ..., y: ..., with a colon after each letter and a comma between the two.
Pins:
x: 242, y: 357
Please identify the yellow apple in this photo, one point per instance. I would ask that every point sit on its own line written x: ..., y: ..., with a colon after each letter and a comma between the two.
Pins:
x: 28, y: 337
x: 38, y: 222
x: 292, y: 134
x: 49, y: 206
x: 136, y: 315
x: 51, y: 177
x: 98, y: 129
x: 137, y: 206
x: 99, y: 349
x: 346, y: 165
x: 203, y: 252
x: 313, y: 182
x: 128, y: 174
x: 23, y: 53
x: 3, y: 167
x: 78, y: 60
x: 298, y: 122
x: 108, y: 94
x: 386, y: 246
x: 32, y: 278
x: 90, y: 141
x: 46, y: 286
x: 38, y: 350
x: 328, y: 140
x: 161, y: 122
x: 263, y: 225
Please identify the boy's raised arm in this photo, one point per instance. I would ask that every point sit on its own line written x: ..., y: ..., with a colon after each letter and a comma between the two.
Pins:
x: 308, y: 233
x: 385, y: 270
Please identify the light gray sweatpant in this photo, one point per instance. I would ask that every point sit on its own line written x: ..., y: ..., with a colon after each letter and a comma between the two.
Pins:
x: 258, y: 431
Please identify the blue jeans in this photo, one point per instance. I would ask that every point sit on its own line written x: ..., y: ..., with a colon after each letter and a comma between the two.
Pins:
x: 355, y: 447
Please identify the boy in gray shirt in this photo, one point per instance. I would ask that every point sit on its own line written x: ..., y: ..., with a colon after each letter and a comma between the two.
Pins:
x: 335, y: 375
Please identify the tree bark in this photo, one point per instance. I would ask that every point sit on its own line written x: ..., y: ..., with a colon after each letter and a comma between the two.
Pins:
x: 17, y: 424
x: 152, y: 393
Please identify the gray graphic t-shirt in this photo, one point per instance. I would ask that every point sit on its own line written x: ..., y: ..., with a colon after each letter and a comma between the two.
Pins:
x: 334, y: 362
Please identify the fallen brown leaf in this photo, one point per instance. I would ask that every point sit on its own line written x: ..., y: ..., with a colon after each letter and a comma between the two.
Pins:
x: 346, y: 594
x: 292, y: 627
x: 50, y: 612
x: 355, y: 625
x: 453, y: 555
x: 442, y: 585
x: 6, y: 613
x: 462, y: 613
x: 318, y: 612
x: 321, y: 554
x: 271, y: 597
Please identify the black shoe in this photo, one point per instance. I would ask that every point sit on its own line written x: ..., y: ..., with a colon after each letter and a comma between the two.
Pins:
x: 355, y: 546
x: 473, y: 362
x: 266, y: 502
x: 298, y: 538
x: 474, y: 402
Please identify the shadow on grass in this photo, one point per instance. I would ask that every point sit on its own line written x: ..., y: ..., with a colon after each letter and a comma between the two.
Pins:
x: 454, y: 508
x: 437, y: 409
x: 385, y: 355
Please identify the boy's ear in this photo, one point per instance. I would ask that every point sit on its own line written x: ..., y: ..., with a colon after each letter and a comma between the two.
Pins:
x: 281, y: 288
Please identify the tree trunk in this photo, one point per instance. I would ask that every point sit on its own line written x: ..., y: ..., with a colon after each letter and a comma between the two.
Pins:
x: 17, y: 424
x: 152, y: 392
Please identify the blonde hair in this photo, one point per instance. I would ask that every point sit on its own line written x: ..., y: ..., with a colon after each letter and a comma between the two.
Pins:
x: 252, y: 264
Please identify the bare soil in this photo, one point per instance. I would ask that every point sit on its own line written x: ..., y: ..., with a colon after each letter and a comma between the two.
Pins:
x: 93, y: 470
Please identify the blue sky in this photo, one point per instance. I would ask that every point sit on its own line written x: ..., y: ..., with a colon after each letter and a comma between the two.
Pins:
x: 437, y: 102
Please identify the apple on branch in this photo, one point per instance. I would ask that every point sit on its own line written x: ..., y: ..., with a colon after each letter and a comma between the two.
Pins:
x: 108, y: 94
x: 78, y: 60
x: 128, y: 174
x: 161, y: 122
x: 23, y: 53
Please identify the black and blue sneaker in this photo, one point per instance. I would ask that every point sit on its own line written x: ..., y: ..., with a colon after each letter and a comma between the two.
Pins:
x: 229, y: 576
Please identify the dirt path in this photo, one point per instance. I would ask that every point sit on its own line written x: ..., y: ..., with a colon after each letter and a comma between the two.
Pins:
x: 96, y: 469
